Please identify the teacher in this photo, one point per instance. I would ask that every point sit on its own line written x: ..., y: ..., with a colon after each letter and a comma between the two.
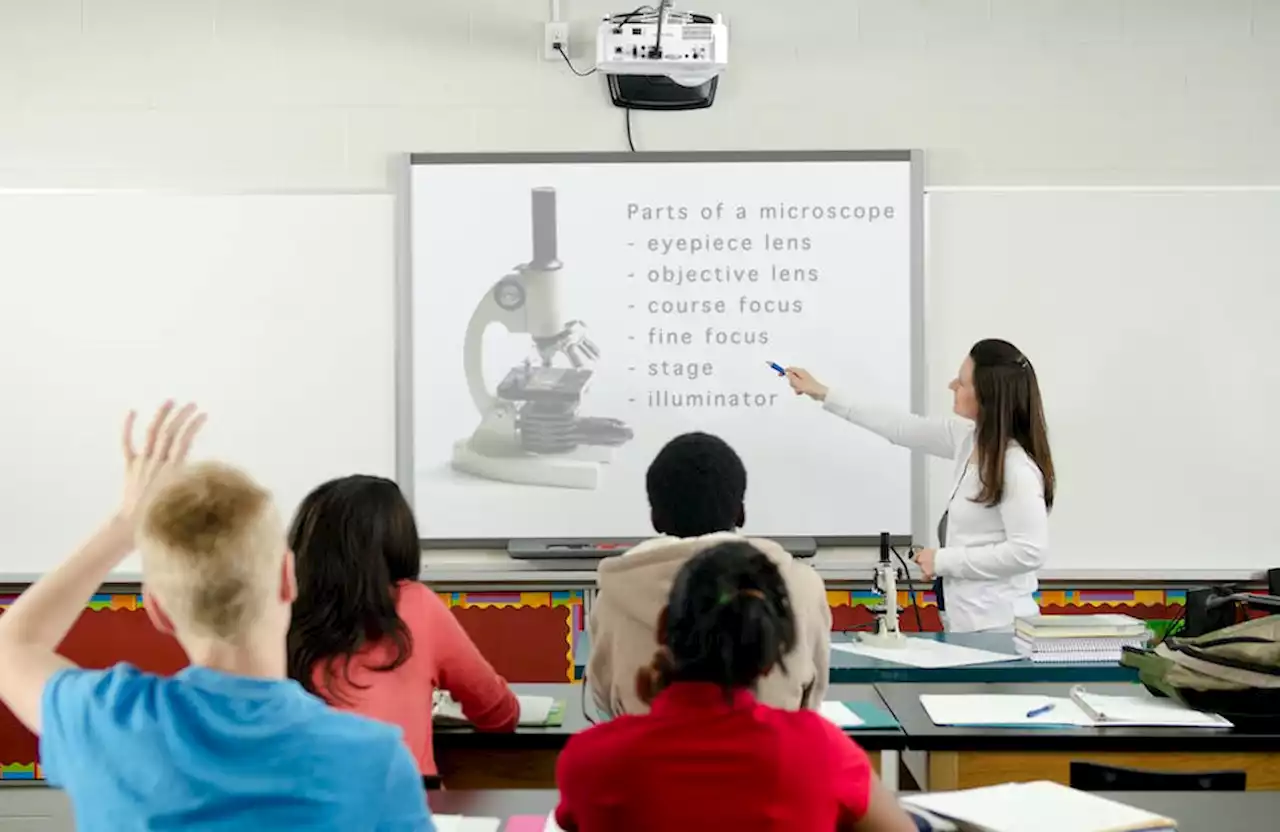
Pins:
x: 994, y: 533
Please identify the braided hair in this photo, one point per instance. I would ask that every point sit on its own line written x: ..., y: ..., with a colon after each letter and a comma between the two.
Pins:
x: 728, y: 622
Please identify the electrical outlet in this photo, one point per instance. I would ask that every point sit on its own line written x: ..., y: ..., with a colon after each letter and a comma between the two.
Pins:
x: 556, y: 34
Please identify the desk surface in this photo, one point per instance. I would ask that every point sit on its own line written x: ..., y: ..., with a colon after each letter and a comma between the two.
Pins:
x: 553, y: 736
x: 853, y: 669
x: 1194, y: 811
x: 849, y: 669
x: 923, y: 735
x: 575, y: 720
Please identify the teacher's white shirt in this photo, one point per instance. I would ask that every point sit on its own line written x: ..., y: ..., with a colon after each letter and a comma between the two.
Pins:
x: 992, y: 552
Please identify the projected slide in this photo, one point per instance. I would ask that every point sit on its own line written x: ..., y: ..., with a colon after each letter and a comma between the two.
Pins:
x: 569, y: 318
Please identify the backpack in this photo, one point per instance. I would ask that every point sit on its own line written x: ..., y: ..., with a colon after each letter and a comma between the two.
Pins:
x: 1234, y: 671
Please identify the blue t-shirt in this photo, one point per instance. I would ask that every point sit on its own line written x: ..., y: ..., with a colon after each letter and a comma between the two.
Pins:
x: 205, y: 750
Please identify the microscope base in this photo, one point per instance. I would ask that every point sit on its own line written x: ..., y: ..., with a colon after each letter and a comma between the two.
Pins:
x: 886, y: 639
x: 579, y: 469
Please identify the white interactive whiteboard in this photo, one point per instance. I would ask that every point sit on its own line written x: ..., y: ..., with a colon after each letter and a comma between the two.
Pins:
x: 568, y: 314
x: 273, y: 312
x: 1151, y: 318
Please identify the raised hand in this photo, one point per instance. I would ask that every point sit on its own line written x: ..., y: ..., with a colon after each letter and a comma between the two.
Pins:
x: 167, y: 444
x: 805, y: 384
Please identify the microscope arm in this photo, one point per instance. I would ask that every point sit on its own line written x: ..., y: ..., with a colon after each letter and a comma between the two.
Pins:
x: 486, y: 312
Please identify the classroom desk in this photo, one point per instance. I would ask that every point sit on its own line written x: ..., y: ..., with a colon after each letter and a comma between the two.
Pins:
x: 848, y: 669
x: 1194, y: 811
x: 469, y: 759
x: 969, y: 757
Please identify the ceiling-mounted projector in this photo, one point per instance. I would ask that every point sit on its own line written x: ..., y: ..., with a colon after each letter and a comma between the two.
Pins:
x: 660, y: 59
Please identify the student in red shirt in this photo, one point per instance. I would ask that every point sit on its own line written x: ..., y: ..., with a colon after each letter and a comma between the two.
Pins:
x: 708, y: 755
x: 366, y: 635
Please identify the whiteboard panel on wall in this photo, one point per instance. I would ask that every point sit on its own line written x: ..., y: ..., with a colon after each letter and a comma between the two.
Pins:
x: 274, y: 312
x: 1151, y: 319
x: 690, y: 273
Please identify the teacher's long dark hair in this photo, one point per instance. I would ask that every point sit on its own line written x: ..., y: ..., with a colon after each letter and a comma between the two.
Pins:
x: 728, y: 622
x: 353, y: 539
x: 1009, y: 409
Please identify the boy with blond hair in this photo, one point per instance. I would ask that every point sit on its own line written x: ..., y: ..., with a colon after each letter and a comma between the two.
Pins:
x: 228, y: 743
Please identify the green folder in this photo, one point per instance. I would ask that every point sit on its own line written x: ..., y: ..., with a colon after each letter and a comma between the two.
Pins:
x: 874, y: 717
x: 555, y: 717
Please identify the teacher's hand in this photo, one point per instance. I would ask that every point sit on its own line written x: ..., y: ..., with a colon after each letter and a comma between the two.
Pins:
x: 805, y: 384
x: 925, y: 560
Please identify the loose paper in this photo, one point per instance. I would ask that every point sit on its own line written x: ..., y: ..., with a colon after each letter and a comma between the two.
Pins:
x: 925, y: 652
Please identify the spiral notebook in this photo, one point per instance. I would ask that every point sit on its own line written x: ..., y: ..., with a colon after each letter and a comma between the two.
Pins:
x: 1040, y: 806
x: 1069, y: 650
x: 1080, y: 709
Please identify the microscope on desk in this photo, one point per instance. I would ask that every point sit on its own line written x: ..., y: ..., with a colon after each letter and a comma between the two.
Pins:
x: 885, y: 584
x: 530, y: 431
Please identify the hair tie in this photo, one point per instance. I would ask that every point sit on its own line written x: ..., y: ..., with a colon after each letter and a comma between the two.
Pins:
x: 727, y: 597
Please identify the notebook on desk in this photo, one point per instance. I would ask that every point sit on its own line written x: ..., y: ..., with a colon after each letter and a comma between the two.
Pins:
x: 1040, y: 806
x: 535, y: 711
x: 1080, y: 709
x: 533, y: 823
x: 1108, y: 625
x: 458, y: 823
x: 859, y: 716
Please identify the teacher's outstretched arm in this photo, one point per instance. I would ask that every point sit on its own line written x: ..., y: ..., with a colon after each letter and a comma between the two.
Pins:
x: 938, y: 437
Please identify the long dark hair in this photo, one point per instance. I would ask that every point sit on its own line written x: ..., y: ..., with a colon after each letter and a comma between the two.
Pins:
x: 1009, y: 409
x: 728, y: 621
x: 353, y: 539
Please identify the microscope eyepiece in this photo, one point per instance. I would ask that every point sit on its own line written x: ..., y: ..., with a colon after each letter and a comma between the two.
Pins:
x: 545, y: 254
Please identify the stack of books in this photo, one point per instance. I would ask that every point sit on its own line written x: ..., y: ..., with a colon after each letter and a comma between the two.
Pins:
x: 1078, y: 638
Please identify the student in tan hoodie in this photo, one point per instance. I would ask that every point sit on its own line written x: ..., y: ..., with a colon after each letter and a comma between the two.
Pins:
x: 696, y: 487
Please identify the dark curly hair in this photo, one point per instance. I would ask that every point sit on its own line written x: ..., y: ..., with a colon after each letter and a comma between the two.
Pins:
x: 696, y: 485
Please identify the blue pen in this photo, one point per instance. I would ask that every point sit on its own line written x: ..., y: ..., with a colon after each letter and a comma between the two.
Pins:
x: 1041, y: 711
x: 780, y: 371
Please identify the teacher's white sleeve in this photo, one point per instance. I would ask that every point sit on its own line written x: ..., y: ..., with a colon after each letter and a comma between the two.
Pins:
x: 939, y: 437
x: 1026, y: 528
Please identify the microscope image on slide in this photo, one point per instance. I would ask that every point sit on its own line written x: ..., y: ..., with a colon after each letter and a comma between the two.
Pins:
x: 530, y: 431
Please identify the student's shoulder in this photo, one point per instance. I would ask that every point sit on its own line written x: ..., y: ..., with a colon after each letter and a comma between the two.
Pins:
x: 414, y: 590
x: 415, y: 596
x: 117, y: 686
x: 353, y: 727
x: 804, y: 725
x: 1020, y: 467
x: 812, y: 739
x: 364, y: 754
x: 794, y: 571
x: 606, y: 743
x: 349, y: 736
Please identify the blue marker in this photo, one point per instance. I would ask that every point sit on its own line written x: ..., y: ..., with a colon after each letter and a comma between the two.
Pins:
x: 1041, y: 711
x: 780, y: 371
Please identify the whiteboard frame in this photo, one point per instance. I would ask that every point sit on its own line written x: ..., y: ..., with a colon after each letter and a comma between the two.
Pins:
x: 403, y: 184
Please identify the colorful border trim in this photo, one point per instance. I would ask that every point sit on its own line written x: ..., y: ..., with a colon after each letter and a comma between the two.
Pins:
x: 31, y: 771
x: 574, y: 599
x: 1074, y: 598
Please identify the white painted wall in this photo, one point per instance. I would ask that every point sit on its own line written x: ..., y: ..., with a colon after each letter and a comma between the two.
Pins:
x: 271, y: 94
x: 317, y: 94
